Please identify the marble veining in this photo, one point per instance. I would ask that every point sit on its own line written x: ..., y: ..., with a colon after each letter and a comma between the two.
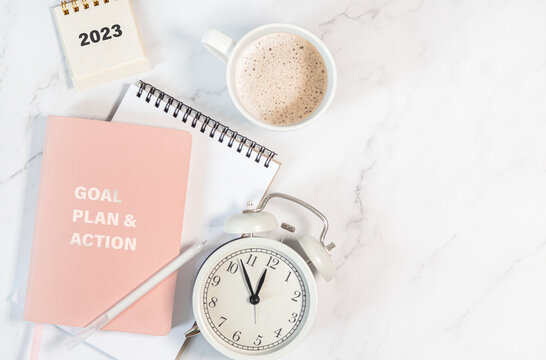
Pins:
x: 430, y: 164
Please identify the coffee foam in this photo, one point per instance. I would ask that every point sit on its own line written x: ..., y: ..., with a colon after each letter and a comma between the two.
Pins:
x: 281, y: 78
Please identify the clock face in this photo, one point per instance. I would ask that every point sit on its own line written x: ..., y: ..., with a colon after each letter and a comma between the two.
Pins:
x: 254, y: 296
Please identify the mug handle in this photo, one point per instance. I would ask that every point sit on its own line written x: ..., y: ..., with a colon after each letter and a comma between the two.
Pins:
x: 218, y: 43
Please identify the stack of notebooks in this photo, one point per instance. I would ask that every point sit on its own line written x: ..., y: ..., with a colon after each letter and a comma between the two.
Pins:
x: 118, y: 200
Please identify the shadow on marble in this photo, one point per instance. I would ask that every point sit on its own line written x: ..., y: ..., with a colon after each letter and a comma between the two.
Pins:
x: 60, y: 51
x: 26, y: 229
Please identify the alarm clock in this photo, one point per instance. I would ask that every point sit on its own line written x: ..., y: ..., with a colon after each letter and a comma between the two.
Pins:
x: 256, y: 297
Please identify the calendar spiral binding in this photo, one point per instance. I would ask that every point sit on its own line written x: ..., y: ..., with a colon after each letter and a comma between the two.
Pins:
x: 201, y: 121
x: 84, y: 4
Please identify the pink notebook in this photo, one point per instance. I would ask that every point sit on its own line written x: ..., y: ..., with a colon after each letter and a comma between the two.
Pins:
x: 109, y: 215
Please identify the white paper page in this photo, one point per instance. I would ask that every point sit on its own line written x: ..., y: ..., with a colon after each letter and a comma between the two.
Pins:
x: 101, y: 42
x: 221, y: 180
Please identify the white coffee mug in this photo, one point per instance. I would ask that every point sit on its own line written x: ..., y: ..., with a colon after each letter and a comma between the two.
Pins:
x: 229, y: 51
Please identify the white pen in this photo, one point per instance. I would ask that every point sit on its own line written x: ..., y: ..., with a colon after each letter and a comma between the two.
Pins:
x: 133, y: 296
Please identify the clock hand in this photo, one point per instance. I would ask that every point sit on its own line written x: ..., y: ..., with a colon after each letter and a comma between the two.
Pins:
x: 260, y: 283
x: 255, y: 299
x: 247, y: 279
x: 255, y: 315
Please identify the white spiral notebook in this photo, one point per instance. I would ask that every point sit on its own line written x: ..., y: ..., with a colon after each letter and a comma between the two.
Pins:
x: 226, y: 170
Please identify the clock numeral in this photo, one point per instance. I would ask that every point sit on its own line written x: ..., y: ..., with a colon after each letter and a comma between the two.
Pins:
x: 278, y: 333
x: 297, y: 295
x: 251, y: 260
x: 288, y: 277
x: 236, y: 336
x: 258, y: 340
x: 222, y: 320
x: 232, y: 267
x: 213, y: 301
x: 293, y: 318
x: 272, y: 262
x: 216, y: 280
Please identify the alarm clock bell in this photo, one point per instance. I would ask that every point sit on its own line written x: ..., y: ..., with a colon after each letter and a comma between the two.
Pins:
x: 257, y: 220
x: 250, y: 222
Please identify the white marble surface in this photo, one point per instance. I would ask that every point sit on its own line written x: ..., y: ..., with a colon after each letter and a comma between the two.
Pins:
x: 430, y: 164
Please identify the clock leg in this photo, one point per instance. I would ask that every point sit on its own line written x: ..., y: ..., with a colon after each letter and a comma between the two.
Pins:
x: 194, y: 330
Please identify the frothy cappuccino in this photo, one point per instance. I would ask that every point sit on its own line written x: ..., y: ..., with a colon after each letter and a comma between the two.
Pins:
x: 281, y: 78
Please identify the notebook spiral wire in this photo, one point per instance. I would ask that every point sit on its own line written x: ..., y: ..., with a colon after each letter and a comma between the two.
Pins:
x: 76, y: 8
x: 203, y: 122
